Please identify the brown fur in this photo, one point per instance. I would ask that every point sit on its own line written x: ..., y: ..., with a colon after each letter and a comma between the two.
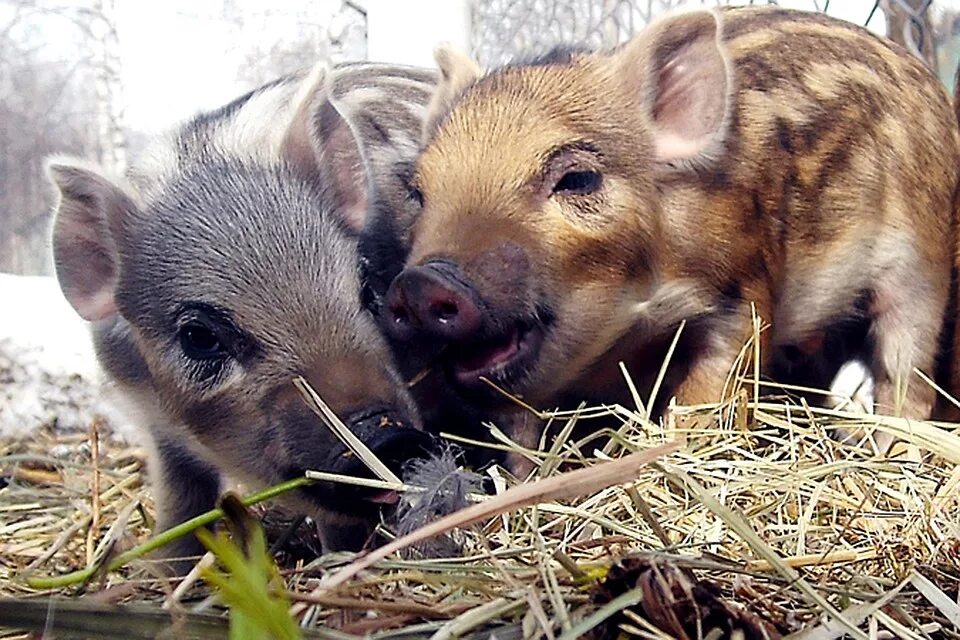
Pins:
x: 951, y: 409
x: 749, y: 156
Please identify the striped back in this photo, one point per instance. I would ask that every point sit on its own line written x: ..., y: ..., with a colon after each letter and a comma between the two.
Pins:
x: 385, y: 104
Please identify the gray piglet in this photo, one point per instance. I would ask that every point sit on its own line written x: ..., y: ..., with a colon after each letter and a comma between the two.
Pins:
x: 224, y: 265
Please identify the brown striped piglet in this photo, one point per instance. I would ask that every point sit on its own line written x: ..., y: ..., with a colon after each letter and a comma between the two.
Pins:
x: 578, y: 208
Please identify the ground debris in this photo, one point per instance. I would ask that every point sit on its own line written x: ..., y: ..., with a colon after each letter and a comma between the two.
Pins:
x: 675, y: 601
x: 759, y: 525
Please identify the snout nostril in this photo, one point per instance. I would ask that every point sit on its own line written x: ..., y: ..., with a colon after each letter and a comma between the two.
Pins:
x: 399, y: 315
x: 444, y: 311
x: 389, y: 439
x: 428, y: 302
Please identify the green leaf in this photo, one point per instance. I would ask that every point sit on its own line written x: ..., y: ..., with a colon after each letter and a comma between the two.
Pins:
x: 248, y: 581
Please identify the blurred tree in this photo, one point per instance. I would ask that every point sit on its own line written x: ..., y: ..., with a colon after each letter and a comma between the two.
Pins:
x: 310, y: 37
x: 61, y: 88
x: 100, y: 25
x: 505, y: 29
x: 49, y: 103
x: 946, y: 29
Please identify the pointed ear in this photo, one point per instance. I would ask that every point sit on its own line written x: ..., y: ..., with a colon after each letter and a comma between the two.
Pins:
x: 457, y: 72
x: 683, y: 76
x: 321, y: 144
x: 91, y: 210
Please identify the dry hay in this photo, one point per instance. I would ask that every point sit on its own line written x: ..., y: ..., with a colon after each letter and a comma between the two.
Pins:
x: 759, y: 525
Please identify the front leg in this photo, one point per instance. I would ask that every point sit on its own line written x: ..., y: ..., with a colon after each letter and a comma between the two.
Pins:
x: 184, y: 486
x: 718, y: 342
x: 906, y: 335
x: 338, y: 533
x: 709, y: 369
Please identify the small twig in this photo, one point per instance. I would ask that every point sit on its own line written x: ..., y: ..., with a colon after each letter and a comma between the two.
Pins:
x: 207, y: 560
x: 945, y: 394
x: 370, y: 483
x: 94, y: 489
x: 569, y: 564
x: 663, y: 369
x: 421, y: 375
x: 814, y: 559
x: 936, y: 597
x: 648, y: 516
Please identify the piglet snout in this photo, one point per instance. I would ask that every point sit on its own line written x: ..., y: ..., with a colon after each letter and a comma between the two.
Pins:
x: 429, y: 300
x: 391, y: 441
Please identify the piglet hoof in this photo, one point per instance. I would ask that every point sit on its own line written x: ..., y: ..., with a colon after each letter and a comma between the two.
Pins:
x: 853, y: 389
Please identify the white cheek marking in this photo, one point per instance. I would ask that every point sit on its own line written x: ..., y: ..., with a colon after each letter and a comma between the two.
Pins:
x: 232, y: 377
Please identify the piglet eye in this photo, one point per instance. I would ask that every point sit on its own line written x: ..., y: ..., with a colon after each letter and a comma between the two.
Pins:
x: 578, y: 183
x: 416, y: 195
x: 199, y: 342
x: 369, y: 299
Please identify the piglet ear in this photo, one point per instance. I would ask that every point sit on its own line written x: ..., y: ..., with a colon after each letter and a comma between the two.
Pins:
x: 91, y: 210
x: 682, y: 73
x: 322, y: 145
x: 457, y: 72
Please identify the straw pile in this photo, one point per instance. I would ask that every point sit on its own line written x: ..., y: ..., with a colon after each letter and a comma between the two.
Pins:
x: 755, y: 525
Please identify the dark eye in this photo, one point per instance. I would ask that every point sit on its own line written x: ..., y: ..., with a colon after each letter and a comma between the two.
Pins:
x: 578, y: 183
x: 369, y: 299
x: 416, y: 195
x: 199, y: 342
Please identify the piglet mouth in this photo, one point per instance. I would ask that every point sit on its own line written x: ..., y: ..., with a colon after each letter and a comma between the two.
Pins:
x: 382, y: 497
x: 394, y: 446
x: 499, y: 358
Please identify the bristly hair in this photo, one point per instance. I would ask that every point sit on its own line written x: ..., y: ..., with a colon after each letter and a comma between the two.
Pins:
x: 562, y: 54
x: 446, y: 489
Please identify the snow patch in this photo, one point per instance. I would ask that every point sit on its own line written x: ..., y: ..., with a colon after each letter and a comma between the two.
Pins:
x: 48, y: 370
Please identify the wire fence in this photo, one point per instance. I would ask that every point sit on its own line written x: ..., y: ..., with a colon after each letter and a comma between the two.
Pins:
x: 916, y: 33
x: 503, y: 30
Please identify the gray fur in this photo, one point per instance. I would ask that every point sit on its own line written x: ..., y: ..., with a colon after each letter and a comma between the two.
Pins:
x: 447, y: 489
x: 218, y: 221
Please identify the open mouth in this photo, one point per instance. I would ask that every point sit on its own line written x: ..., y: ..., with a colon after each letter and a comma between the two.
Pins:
x: 382, y: 497
x: 363, y: 501
x: 498, y: 357
x: 394, y: 446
